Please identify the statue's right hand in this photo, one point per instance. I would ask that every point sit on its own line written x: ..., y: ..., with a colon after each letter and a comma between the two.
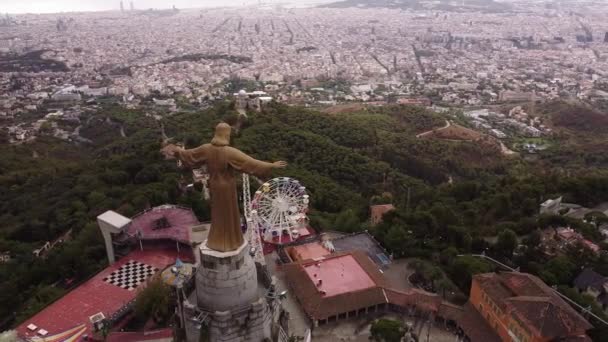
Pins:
x: 170, y: 151
x: 280, y: 164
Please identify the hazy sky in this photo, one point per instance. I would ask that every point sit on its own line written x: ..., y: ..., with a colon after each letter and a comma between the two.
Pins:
x: 52, y: 6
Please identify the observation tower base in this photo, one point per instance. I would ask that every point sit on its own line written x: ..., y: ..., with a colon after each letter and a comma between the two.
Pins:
x: 229, y: 306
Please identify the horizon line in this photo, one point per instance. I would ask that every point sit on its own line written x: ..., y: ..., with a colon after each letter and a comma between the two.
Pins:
x: 252, y: 4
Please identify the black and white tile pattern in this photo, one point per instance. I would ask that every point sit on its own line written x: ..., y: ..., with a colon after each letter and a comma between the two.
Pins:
x: 130, y: 275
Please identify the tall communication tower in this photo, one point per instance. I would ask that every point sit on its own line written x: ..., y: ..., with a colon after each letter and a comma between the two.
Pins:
x: 246, y: 197
x: 254, y: 238
x: 253, y: 224
x: 132, y: 7
x: 122, y: 6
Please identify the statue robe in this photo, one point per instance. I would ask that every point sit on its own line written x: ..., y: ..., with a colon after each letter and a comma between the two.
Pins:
x: 222, y: 162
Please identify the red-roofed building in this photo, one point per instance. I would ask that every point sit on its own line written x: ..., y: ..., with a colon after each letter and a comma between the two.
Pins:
x: 377, y: 211
x: 151, y: 242
x: 164, y: 222
x: 303, y: 233
x: 313, y: 250
x: 346, y: 285
x: 338, y: 286
x: 335, y: 279
x: 521, y: 307
x: 106, y: 293
x: 556, y: 240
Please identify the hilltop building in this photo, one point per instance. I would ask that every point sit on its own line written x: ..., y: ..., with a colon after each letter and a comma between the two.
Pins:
x: 340, y: 277
x: 556, y: 241
x: 138, y: 249
x: 378, y: 211
x: 336, y: 278
x: 521, y: 307
x: 250, y: 101
x: 551, y: 206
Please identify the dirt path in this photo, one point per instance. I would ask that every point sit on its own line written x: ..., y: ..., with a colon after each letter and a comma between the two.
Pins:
x: 447, y: 125
x: 505, y: 150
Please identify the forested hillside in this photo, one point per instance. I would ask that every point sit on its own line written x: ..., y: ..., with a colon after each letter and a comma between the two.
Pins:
x: 581, y: 134
x: 459, y: 192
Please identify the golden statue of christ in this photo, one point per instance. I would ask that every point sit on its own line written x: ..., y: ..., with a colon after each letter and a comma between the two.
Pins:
x: 222, y: 161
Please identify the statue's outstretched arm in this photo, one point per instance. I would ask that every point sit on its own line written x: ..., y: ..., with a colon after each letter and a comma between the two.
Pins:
x: 244, y: 163
x: 191, y: 158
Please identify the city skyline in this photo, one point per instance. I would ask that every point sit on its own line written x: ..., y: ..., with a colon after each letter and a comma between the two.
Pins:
x: 50, y: 6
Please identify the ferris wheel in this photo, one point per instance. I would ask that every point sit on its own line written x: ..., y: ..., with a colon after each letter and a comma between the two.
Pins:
x: 280, y: 205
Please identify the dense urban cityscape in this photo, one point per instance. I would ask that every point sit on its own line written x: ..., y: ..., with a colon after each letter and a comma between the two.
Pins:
x: 307, y: 55
x: 438, y: 172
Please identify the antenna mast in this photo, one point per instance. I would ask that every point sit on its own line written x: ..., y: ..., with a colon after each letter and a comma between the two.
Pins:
x: 246, y: 197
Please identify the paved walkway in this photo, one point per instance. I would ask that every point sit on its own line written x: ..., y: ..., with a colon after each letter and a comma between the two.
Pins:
x: 397, y: 274
x: 298, y: 322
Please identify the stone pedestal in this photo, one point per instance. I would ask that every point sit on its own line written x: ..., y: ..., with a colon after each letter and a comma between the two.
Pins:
x: 226, y: 280
x: 227, y: 292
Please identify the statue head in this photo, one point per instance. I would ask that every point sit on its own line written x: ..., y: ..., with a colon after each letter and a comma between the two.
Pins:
x: 222, y: 135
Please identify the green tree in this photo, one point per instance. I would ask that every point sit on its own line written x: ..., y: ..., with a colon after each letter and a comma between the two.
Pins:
x: 398, y: 240
x: 559, y: 270
x: 434, y: 274
x: 533, y: 240
x: 448, y: 255
x: 387, y: 330
x: 46, y: 127
x: 506, y: 243
x: 599, y: 332
x: 463, y: 269
x: 95, y: 199
x: 347, y: 221
x: 153, y: 301
x: 42, y: 297
x: 442, y: 286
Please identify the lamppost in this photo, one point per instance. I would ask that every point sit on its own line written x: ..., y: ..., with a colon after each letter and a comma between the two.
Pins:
x: 274, y: 302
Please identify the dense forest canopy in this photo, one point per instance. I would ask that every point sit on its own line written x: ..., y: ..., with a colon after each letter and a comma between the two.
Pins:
x: 451, y: 197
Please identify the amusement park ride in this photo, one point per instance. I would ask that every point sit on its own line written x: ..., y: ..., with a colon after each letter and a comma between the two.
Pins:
x: 276, y: 214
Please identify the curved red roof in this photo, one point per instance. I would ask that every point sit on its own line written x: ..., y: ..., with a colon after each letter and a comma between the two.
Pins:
x: 164, y: 222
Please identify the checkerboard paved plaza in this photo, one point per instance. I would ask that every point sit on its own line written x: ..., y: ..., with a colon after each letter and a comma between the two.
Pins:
x: 130, y: 275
